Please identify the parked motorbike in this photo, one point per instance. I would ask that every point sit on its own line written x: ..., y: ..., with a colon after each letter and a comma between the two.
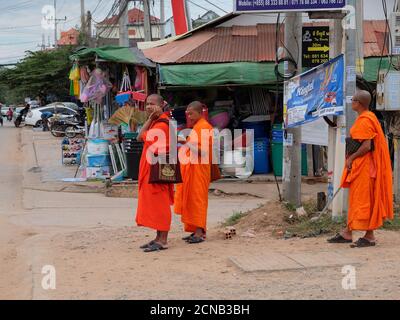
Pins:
x: 20, y: 121
x: 74, y: 129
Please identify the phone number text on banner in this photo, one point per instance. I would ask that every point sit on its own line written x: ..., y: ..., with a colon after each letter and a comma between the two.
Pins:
x: 288, y: 5
x: 318, y: 92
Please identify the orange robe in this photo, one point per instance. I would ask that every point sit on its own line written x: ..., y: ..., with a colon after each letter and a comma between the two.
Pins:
x: 370, y: 179
x: 191, y: 197
x: 155, y: 200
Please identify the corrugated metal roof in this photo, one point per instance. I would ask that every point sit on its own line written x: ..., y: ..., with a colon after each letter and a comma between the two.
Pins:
x: 244, y: 44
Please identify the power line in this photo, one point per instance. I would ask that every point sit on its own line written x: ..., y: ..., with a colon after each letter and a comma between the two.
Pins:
x: 214, y: 5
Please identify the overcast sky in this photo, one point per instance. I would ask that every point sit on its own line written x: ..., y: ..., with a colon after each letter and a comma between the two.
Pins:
x: 21, y: 30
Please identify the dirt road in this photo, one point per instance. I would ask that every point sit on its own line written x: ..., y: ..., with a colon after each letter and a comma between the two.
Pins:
x: 93, y: 245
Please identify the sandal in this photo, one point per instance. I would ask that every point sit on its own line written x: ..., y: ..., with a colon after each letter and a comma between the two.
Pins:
x: 195, y: 240
x: 363, y: 243
x: 147, y: 244
x: 339, y: 239
x: 155, y: 247
x: 188, y: 237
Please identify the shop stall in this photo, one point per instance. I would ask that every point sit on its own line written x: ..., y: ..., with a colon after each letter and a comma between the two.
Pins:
x: 112, y: 83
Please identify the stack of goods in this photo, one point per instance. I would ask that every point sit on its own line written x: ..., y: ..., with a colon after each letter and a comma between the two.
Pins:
x: 72, y: 151
x: 98, y: 159
x: 220, y: 116
x: 133, y: 151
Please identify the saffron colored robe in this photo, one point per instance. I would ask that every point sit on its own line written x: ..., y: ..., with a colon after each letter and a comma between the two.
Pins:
x: 370, y: 179
x: 155, y: 200
x: 191, y: 197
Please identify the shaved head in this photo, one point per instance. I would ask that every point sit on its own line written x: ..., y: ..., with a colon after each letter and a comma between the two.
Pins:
x: 196, y: 106
x: 156, y: 98
x: 364, y: 97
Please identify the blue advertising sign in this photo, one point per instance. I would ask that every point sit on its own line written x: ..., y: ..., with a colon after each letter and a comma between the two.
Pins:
x: 288, y: 5
x: 318, y: 92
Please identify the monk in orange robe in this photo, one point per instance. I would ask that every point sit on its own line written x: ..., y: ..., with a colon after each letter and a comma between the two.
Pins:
x: 155, y: 200
x: 191, y: 197
x: 368, y: 175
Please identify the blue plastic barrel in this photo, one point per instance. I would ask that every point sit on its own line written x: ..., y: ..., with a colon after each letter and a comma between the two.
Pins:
x: 261, y: 158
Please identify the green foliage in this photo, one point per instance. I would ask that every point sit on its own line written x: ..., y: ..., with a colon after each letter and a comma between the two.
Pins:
x: 394, y: 224
x: 40, y: 74
x: 234, y: 219
x: 307, y: 228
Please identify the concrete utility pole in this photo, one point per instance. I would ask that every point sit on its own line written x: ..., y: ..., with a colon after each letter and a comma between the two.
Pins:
x: 89, y: 28
x: 83, y: 19
x: 162, y: 19
x: 147, y: 21
x: 188, y: 18
x: 292, y: 149
x: 396, y: 142
x: 55, y: 24
x: 354, y: 62
x: 336, y: 48
x: 123, y: 23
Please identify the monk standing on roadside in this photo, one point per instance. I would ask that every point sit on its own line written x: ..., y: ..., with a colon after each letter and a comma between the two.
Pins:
x: 191, y: 197
x: 155, y: 200
x: 368, y: 175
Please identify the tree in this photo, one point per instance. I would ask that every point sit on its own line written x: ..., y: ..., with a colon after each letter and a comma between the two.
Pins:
x: 40, y: 74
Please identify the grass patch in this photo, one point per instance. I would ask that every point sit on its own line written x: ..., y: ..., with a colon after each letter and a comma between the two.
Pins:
x: 307, y: 228
x: 393, y: 225
x: 234, y: 219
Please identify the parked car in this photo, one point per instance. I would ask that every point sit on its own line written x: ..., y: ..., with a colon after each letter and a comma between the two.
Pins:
x: 34, y: 117
x: 4, y: 111
x: 70, y: 105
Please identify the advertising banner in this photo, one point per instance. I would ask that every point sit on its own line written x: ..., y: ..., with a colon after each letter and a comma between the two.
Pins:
x: 288, y: 5
x: 318, y: 92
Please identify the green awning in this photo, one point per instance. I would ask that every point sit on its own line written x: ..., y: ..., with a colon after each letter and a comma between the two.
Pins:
x: 372, y: 67
x: 238, y: 73
x: 201, y: 75
x: 114, y: 54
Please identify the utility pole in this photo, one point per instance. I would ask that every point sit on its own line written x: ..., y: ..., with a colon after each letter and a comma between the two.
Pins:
x: 354, y: 62
x: 162, y: 19
x: 396, y: 145
x: 336, y: 147
x: 188, y: 18
x: 55, y: 24
x: 147, y: 21
x: 56, y: 21
x: 292, y: 147
x: 123, y: 23
x: 83, y: 20
x: 89, y: 28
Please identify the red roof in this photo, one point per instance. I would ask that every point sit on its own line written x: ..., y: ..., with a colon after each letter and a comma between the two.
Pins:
x: 70, y: 37
x: 134, y: 16
x: 244, y: 44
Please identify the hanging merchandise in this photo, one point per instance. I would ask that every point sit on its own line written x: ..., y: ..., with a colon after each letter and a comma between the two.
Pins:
x: 97, y: 87
x: 75, y: 77
x: 130, y: 117
x: 140, y: 78
x: 125, y: 93
x: 85, y: 75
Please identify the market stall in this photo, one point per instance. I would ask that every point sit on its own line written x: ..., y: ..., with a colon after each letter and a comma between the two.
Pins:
x: 112, y: 83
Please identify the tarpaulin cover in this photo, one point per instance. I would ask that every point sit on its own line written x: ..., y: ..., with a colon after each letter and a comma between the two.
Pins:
x: 244, y: 73
x: 114, y: 54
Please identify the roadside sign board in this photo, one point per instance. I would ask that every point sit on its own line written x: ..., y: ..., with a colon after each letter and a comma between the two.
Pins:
x: 315, y: 46
x: 288, y: 5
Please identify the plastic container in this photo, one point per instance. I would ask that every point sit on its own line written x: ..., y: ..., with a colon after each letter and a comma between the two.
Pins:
x: 133, y: 152
x: 277, y: 159
x: 97, y: 147
x: 220, y: 120
x: 98, y: 160
x: 260, y: 126
x: 261, y: 157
